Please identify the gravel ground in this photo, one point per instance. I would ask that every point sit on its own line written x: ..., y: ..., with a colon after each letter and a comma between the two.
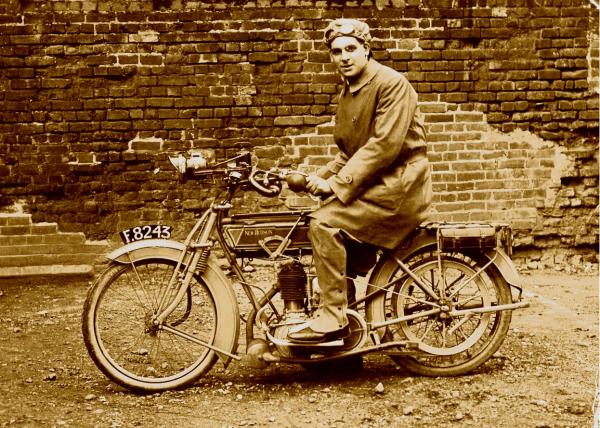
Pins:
x: 545, y: 374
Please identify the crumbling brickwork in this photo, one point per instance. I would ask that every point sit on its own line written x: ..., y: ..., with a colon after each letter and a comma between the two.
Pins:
x: 93, y: 94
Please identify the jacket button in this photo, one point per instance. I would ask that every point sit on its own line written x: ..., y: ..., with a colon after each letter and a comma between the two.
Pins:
x: 347, y: 178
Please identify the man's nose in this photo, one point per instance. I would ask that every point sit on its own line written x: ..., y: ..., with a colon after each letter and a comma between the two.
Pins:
x: 345, y: 56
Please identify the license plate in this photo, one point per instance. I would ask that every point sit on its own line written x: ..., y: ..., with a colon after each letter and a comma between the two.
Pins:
x: 149, y: 231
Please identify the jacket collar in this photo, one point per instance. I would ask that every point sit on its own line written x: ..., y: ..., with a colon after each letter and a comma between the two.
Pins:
x: 365, y: 77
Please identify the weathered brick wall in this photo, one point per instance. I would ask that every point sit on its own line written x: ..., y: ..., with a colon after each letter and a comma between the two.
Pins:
x: 92, y: 95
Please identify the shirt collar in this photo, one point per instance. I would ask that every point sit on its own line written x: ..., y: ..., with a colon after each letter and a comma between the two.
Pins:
x: 365, y: 77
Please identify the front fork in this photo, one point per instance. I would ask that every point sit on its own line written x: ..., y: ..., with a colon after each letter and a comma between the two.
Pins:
x: 180, y: 280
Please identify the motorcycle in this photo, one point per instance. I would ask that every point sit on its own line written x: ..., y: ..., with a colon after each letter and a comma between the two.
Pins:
x: 164, y: 312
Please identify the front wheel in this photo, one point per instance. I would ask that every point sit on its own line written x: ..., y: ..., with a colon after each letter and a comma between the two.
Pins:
x: 458, y: 338
x: 125, y: 343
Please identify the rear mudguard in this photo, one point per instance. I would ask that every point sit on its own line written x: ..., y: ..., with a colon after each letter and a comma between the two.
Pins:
x: 424, y: 239
x: 228, y: 315
x: 501, y: 262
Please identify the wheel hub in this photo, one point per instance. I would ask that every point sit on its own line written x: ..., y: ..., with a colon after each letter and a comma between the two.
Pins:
x: 150, y: 326
x: 445, y: 308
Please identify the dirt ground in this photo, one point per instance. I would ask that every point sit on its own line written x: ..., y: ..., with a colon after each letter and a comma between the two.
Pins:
x: 545, y: 374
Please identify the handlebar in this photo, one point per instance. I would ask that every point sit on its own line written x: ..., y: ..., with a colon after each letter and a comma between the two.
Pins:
x: 265, y: 182
x: 268, y: 183
x: 238, y: 171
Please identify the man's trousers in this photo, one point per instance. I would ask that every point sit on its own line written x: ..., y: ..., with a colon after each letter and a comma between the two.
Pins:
x: 337, y: 257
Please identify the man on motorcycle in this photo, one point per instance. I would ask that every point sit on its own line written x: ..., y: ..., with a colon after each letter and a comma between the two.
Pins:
x: 377, y: 188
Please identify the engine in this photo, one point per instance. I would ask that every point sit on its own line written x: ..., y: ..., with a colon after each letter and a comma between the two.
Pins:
x: 294, y: 292
x: 299, y: 300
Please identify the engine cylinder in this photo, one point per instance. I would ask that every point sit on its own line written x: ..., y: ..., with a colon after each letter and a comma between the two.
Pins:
x: 292, y: 283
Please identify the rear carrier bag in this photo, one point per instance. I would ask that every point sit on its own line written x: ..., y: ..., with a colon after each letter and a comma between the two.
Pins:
x: 464, y: 236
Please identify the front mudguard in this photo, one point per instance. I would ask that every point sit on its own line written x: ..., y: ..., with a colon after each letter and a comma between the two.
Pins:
x: 228, y: 314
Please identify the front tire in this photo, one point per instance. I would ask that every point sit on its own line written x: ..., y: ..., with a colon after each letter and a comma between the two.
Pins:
x: 122, y: 339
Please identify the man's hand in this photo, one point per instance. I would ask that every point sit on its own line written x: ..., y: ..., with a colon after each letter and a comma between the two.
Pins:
x: 318, y: 186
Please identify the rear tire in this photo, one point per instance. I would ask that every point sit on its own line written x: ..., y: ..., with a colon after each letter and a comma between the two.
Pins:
x: 448, y: 345
x: 125, y: 344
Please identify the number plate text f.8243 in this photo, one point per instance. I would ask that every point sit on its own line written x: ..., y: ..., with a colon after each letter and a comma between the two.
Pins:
x: 148, y: 231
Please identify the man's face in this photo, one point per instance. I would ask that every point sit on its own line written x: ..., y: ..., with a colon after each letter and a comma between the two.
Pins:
x: 349, y: 56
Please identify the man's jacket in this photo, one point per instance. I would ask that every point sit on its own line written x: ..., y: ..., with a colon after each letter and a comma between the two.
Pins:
x: 380, y: 178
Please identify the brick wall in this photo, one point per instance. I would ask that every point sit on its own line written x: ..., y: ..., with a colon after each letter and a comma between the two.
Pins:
x: 92, y: 95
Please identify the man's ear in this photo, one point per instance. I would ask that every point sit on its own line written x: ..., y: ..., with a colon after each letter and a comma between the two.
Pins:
x: 367, y: 48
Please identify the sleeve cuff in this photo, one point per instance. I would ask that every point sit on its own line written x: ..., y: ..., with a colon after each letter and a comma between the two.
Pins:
x: 341, y: 188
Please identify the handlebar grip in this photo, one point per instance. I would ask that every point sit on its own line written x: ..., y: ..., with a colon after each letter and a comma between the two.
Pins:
x: 296, y: 182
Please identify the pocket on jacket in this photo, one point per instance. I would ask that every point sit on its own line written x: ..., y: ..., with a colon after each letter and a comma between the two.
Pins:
x: 393, y: 189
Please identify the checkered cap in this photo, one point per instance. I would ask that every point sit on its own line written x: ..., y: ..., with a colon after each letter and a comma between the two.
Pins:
x: 347, y: 27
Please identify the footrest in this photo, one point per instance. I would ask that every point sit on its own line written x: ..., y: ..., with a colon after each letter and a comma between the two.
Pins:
x: 282, y: 342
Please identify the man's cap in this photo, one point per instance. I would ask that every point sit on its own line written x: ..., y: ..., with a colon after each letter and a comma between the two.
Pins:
x: 347, y: 27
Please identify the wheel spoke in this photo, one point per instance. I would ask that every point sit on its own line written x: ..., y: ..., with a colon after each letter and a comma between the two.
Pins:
x: 427, y: 329
x: 417, y: 300
x: 462, y: 303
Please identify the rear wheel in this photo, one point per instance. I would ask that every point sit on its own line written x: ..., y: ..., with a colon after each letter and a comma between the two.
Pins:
x: 450, y: 343
x: 125, y: 343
